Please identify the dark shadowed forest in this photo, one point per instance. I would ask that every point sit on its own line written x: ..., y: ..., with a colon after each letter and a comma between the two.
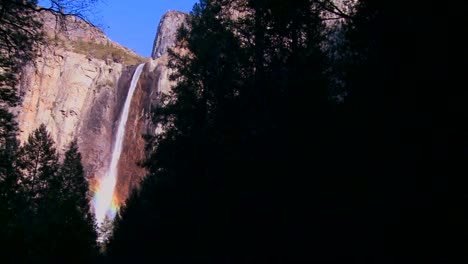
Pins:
x: 298, y: 131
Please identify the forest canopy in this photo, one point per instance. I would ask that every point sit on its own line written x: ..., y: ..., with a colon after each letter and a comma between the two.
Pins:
x: 308, y: 131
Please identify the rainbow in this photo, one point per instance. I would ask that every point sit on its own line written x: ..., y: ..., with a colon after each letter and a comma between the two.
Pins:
x: 104, y: 209
x: 104, y: 200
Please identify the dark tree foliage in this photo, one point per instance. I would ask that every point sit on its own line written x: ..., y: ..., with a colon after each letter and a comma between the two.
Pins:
x: 26, y: 194
x: 20, y: 36
x: 105, y: 232
x: 44, y: 211
x: 38, y: 161
x: 8, y: 144
x: 47, y: 219
x: 257, y: 165
x: 10, y: 198
x: 73, y: 225
x: 224, y: 184
x: 403, y: 130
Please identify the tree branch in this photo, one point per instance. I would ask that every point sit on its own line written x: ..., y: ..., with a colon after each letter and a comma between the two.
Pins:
x: 329, y: 6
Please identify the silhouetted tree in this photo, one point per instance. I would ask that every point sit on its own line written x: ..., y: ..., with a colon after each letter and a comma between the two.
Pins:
x: 51, y: 217
x: 21, y: 38
x: 398, y: 126
x: 222, y: 185
x: 28, y: 175
x: 8, y: 145
x: 39, y: 165
x: 105, y: 233
x: 257, y: 164
x: 73, y: 226
x: 11, y: 198
x: 38, y: 162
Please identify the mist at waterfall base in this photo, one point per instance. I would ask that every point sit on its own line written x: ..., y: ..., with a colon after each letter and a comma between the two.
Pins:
x: 104, y: 200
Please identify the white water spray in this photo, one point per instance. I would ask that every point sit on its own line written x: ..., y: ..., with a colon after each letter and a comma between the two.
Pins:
x: 105, y: 193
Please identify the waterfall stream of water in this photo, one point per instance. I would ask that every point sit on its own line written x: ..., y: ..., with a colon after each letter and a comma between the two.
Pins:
x: 103, y: 199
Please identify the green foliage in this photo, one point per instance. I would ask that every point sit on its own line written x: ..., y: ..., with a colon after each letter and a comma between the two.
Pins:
x: 105, y: 232
x: 44, y: 211
x: 73, y: 227
x: 20, y: 34
x: 10, y: 198
x: 257, y: 165
x: 106, y: 51
x: 38, y: 162
x: 47, y: 206
x: 216, y: 168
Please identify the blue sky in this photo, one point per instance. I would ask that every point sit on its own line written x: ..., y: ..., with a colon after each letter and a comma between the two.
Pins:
x: 134, y: 23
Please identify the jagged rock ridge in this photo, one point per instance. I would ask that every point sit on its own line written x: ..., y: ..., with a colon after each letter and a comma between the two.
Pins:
x: 77, y: 87
x: 167, y: 32
x: 73, y: 93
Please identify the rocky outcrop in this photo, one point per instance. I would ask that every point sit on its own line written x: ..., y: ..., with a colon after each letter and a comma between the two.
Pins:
x: 68, y: 31
x: 77, y: 88
x: 78, y: 85
x: 75, y: 94
x: 76, y: 97
x: 167, y: 32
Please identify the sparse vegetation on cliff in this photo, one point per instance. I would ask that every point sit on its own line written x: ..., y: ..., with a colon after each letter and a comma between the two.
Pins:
x: 105, y: 52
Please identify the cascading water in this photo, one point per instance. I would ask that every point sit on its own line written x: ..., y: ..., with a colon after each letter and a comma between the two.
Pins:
x: 103, y: 199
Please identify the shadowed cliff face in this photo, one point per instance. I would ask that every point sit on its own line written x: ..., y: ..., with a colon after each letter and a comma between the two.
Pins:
x: 154, y: 80
x: 130, y: 173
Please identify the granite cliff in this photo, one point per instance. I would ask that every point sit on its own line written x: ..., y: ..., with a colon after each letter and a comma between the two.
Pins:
x: 167, y: 32
x: 77, y: 87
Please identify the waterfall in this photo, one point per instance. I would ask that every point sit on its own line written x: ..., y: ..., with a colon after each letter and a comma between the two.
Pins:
x: 103, y: 199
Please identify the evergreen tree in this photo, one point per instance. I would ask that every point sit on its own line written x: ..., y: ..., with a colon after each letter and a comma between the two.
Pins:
x: 20, y: 36
x: 217, y: 189
x: 8, y: 148
x: 38, y: 161
x: 55, y: 216
x: 398, y: 52
x: 74, y: 226
x: 256, y: 164
x: 11, y: 198
x: 75, y: 186
x: 27, y: 174
x: 105, y: 234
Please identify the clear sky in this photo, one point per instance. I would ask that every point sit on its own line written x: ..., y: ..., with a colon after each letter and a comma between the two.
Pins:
x: 133, y: 23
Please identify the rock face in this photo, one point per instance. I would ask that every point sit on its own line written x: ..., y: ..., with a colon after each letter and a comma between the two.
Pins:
x: 75, y: 95
x: 154, y: 80
x: 167, y: 32
x: 66, y: 91
x: 78, y: 95
x: 78, y: 86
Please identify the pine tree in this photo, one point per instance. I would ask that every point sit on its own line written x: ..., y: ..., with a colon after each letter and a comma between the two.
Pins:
x: 220, y: 182
x: 11, y: 199
x: 74, y: 227
x: 38, y: 162
x: 401, y: 55
x: 27, y: 174
x: 75, y: 185
x: 105, y: 234
x: 8, y: 151
x: 21, y: 36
